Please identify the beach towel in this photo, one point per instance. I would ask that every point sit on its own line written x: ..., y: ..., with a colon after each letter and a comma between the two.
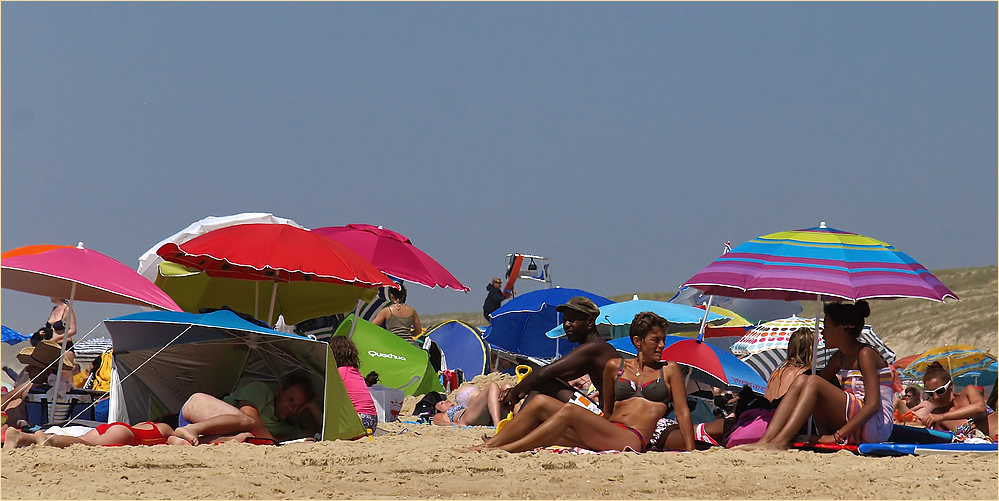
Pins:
x: 750, y: 427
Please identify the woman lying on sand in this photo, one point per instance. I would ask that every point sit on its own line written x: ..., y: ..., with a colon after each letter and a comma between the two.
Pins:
x: 962, y: 414
x: 866, y: 394
x: 146, y: 433
x: 472, y: 406
x: 637, y: 394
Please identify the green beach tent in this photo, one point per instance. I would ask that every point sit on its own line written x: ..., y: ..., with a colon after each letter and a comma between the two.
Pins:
x: 398, y: 363
x: 170, y: 355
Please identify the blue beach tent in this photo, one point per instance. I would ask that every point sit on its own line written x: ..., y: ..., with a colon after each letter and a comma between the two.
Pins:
x: 462, y: 346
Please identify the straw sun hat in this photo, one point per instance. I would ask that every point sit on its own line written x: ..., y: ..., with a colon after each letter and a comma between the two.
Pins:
x: 42, y: 355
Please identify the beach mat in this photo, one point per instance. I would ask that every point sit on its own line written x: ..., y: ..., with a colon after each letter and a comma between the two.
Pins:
x: 807, y: 446
x: 886, y: 449
x: 901, y: 434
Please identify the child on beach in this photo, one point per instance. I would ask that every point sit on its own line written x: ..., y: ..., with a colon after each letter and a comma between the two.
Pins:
x: 345, y: 354
x: 866, y: 394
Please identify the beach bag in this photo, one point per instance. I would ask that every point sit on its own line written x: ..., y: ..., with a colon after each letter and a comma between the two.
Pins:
x: 388, y: 402
x: 750, y: 427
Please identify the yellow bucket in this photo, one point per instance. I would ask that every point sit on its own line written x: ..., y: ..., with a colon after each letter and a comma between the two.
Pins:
x: 522, y: 372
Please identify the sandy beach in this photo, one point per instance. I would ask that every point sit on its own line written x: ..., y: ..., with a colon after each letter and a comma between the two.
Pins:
x: 417, y: 461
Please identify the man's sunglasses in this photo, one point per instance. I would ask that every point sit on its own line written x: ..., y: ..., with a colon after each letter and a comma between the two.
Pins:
x: 941, y: 390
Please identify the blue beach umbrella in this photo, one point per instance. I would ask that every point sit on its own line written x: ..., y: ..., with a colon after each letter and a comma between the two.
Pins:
x: 11, y: 336
x: 519, y: 326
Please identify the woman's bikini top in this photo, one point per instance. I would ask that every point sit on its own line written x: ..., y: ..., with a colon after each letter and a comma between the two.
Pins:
x: 655, y: 391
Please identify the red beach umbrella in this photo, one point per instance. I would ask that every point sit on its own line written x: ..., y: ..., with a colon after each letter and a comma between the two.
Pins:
x: 393, y: 253
x: 274, y: 252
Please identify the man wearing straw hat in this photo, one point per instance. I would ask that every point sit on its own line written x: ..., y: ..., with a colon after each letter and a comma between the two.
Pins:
x: 579, y: 316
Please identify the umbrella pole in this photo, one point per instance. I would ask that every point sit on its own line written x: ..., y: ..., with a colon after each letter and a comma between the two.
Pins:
x: 270, y: 313
x: 353, y: 325
x: 62, y: 353
x: 704, y: 320
x: 256, y: 299
x: 815, y: 349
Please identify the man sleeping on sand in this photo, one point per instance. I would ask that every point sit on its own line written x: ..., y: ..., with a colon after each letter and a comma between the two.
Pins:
x: 256, y: 409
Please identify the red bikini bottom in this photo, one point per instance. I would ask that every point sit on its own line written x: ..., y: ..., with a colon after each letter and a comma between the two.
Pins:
x: 641, y: 440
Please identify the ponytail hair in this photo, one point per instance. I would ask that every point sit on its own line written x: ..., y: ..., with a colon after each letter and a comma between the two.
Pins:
x: 849, y: 316
x: 937, y: 371
x: 399, y: 293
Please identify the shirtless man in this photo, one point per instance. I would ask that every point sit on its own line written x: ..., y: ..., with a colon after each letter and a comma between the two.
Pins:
x: 579, y: 316
x: 255, y: 409
x: 943, y: 410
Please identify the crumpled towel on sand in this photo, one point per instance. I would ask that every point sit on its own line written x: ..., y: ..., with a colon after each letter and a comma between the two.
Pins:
x: 576, y: 450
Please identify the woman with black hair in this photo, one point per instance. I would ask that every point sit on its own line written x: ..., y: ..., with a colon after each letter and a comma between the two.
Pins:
x: 859, y: 409
x: 400, y: 318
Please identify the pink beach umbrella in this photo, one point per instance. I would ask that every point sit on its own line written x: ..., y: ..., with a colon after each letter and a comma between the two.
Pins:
x: 392, y: 253
x: 78, y: 274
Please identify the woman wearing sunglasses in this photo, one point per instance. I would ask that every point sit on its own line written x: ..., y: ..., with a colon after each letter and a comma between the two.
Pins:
x: 965, y: 414
x: 858, y: 412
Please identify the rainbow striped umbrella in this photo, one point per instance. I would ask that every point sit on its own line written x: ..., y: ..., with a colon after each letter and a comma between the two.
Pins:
x: 805, y: 264
x: 815, y: 264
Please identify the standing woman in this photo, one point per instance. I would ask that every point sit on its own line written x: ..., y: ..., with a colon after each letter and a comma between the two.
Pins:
x: 860, y: 412
x: 400, y: 318
x: 60, y: 324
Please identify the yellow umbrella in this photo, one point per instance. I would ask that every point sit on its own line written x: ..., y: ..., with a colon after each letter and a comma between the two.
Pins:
x: 957, y: 359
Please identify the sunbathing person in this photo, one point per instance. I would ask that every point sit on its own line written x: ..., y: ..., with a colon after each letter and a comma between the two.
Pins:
x: 146, y: 433
x: 579, y: 316
x: 637, y: 394
x: 472, y: 406
x: 866, y: 394
x: 962, y: 414
x: 255, y: 408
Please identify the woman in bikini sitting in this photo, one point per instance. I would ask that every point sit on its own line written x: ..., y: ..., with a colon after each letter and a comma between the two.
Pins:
x: 866, y: 393
x: 637, y: 395
x: 146, y: 433
x: 962, y: 414
x: 472, y: 406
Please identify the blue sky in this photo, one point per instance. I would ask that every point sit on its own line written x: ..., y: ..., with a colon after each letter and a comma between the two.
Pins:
x: 626, y: 141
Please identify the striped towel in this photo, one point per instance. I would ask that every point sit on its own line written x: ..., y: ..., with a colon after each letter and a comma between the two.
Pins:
x: 89, y: 349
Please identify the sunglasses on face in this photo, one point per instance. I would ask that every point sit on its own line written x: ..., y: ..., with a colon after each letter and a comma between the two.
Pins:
x: 941, y: 390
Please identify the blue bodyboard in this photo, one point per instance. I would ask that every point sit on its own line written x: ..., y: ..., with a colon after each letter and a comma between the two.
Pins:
x: 886, y: 449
